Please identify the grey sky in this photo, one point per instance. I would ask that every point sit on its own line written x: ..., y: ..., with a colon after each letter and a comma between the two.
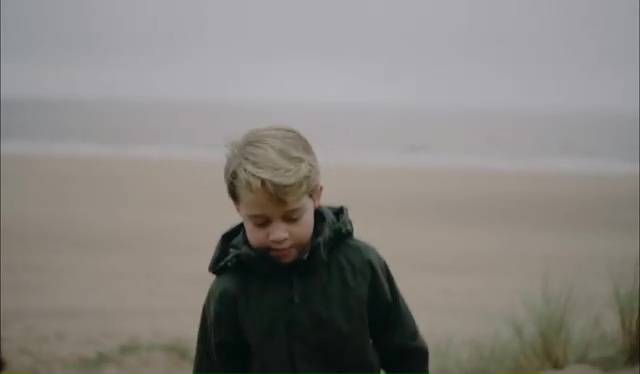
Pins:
x: 578, y: 53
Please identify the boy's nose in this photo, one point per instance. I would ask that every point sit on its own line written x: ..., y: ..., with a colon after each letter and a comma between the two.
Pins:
x: 278, y: 236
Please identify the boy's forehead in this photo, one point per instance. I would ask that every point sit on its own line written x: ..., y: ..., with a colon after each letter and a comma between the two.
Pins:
x: 263, y: 202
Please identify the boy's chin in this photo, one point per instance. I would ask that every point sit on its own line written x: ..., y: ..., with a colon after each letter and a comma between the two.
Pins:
x: 285, y: 257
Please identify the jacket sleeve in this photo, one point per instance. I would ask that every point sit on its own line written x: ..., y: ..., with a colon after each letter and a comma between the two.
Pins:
x: 394, y: 332
x: 220, y: 345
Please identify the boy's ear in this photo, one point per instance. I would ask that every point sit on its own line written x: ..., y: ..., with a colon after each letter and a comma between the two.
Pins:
x: 316, y: 196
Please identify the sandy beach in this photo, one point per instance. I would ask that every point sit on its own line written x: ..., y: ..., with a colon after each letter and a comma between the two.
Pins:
x: 98, y: 251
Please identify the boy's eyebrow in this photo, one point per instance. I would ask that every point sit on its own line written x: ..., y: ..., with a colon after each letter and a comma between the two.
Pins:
x: 288, y: 211
x: 293, y: 210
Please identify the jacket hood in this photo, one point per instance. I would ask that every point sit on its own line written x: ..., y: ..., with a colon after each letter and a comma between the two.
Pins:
x: 332, y: 224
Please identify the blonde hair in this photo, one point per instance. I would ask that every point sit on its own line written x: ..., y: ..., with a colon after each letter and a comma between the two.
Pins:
x: 277, y: 159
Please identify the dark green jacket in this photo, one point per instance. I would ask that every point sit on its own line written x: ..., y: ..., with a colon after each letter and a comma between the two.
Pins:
x: 338, y: 310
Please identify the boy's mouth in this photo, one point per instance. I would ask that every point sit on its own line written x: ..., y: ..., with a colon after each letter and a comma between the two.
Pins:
x: 281, y: 252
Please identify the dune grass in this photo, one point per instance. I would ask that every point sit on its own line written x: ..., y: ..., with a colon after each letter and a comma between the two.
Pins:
x: 551, y: 335
x: 544, y: 336
x: 547, y: 336
x: 626, y: 303
x: 181, y: 352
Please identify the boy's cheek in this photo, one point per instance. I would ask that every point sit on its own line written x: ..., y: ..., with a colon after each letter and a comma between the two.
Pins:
x: 255, y: 236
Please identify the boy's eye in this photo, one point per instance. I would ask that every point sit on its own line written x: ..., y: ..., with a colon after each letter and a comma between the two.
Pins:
x: 261, y: 224
x: 292, y: 219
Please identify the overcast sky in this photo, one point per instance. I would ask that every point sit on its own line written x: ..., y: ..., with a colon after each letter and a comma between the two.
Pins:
x: 578, y: 53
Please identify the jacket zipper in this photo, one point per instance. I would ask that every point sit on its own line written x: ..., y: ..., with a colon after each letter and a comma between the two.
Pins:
x: 295, y: 299
x: 295, y: 289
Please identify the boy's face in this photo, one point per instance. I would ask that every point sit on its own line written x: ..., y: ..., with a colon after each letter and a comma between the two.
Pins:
x: 283, y: 229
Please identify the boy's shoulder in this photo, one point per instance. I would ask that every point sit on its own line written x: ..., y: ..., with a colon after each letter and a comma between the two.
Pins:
x: 359, y: 251
x: 224, y: 286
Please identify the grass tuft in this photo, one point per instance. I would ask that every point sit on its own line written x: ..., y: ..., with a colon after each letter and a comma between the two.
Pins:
x: 546, y: 337
x: 177, y: 349
x: 626, y: 304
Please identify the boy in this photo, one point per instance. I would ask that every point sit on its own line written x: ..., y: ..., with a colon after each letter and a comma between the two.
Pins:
x: 294, y: 290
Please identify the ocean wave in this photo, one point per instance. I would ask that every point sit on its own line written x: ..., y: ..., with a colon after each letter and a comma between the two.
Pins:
x: 384, y: 158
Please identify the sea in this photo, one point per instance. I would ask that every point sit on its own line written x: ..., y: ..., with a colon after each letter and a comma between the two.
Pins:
x: 602, y: 142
